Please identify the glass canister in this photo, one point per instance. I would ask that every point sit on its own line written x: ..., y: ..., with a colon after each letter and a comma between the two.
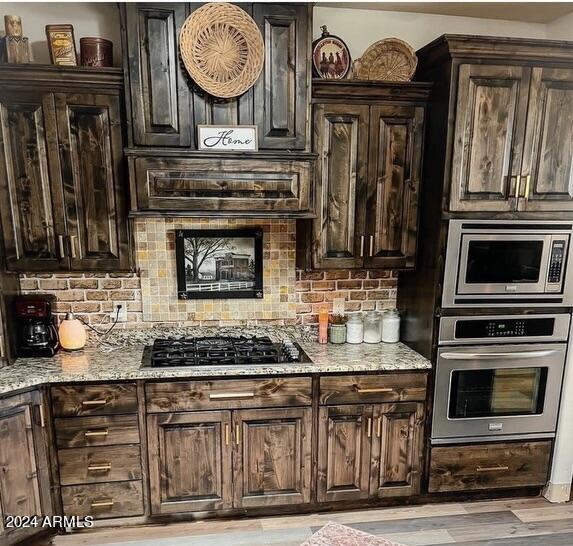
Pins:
x: 372, y: 327
x: 391, y: 326
x: 355, y: 329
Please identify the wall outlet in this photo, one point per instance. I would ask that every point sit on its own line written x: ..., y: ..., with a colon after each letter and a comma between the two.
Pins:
x: 122, y: 315
x: 338, y: 306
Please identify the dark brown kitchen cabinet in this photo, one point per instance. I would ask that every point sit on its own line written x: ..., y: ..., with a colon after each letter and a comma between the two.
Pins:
x: 31, y: 182
x: 159, y: 91
x: 548, y: 159
x: 165, y: 107
x: 24, y: 474
x: 62, y: 181
x: 272, y: 457
x: 89, y: 132
x: 281, y: 94
x: 368, y: 451
x: 368, y: 174
x: 190, y: 461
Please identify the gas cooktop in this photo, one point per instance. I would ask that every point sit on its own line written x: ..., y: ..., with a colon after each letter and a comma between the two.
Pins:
x: 221, y: 351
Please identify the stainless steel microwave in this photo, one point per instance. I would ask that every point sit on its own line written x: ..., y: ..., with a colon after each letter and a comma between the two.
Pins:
x: 515, y: 263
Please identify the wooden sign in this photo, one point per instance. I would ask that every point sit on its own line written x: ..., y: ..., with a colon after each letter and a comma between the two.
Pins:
x: 230, y: 138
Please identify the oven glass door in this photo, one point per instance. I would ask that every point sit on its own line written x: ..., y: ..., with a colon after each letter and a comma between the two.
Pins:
x: 492, y: 390
x: 507, y: 263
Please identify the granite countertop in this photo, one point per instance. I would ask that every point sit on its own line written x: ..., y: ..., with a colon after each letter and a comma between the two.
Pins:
x: 109, y: 363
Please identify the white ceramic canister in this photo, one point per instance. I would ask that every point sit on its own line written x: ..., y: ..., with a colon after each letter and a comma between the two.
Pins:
x: 391, y: 326
x: 355, y: 329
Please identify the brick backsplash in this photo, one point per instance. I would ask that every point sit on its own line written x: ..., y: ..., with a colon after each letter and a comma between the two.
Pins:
x: 291, y: 296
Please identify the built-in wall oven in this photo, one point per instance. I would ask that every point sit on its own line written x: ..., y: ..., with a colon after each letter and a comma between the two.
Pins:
x: 498, y: 377
x: 509, y: 263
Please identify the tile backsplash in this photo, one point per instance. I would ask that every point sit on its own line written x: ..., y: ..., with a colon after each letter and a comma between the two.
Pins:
x: 150, y: 295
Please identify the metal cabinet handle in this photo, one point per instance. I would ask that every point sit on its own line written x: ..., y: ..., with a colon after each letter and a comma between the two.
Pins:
x: 62, y: 247
x: 89, y: 433
x: 94, y: 402
x: 102, y: 503
x: 361, y: 246
x: 369, y: 427
x: 225, y: 395
x: 73, y: 245
x: 227, y: 434
x: 237, y: 434
x: 373, y: 390
x: 379, y: 427
x: 42, y: 416
x: 492, y: 468
x: 371, y: 245
x: 517, y: 184
x: 527, y: 182
x: 103, y: 467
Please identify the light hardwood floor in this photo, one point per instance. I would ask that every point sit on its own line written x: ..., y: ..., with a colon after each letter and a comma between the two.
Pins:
x: 509, y: 522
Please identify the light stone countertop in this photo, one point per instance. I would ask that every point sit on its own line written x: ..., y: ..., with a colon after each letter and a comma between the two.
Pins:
x: 123, y: 363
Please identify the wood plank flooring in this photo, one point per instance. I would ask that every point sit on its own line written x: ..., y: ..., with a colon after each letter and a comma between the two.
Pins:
x: 510, y: 522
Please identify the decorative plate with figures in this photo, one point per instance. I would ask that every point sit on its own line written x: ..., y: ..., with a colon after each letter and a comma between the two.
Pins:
x: 330, y: 56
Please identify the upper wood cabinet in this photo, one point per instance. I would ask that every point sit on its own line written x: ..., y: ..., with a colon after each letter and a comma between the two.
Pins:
x: 501, y: 123
x: 369, y: 138
x: 62, y: 178
x: 24, y: 474
x: 165, y: 106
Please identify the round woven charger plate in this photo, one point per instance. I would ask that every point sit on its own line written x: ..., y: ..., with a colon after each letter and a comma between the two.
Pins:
x: 390, y: 59
x: 222, y: 49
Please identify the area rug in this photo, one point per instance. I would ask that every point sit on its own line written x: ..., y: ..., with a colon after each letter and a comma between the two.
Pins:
x: 334, y: 534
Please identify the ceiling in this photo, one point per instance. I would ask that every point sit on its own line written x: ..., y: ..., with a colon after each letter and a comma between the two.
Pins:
x: 531, y: 12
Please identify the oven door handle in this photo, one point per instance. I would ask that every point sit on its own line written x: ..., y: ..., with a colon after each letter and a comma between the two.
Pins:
x: 489, y: 356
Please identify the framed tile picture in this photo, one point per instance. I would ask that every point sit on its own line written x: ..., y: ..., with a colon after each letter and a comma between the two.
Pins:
x: 219, y: 263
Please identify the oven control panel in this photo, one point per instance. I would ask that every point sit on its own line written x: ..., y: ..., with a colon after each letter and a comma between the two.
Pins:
x: 556, y: 261
x: 504, y: 327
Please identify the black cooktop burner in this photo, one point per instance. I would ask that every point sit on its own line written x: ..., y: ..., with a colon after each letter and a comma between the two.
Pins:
x: 222, y: 351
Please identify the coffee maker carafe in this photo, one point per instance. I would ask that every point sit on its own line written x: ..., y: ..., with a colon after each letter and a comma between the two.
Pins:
x: 36, y: 333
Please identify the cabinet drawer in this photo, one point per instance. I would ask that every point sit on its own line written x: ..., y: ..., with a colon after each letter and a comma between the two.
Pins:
x: 77, y: 400
x: 99, y: 464
x: 103, y: 500
x: 357, y: 389
x: 489, y: 466
x: 240, y: 185
x: 97, y: 431
x: 228, y: 394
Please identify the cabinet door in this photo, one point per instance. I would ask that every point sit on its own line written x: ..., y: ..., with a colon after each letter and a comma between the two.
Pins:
x: 24, y: 479
x: 272, y: 457
x: 489, y: 134
x: 159, y: 90
x: 344, y: 442
x: 30, y: 183
x: 394, y: 164
x: 341, y: 141
x: 282, y: 92
x: 189, y: 461
x: 397, y: 449
x: 89, y: 130
x: 548, y: 164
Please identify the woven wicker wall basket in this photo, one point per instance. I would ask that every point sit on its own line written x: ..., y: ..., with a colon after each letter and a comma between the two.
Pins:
x: 222, y: 49
x: 390, y: 60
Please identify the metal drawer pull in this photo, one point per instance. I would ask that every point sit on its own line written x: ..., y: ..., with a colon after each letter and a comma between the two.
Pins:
x: 361, y: 246
x: 473, y: 356
x: 369, y: 427
x: 492, y: 468
x: 237, y: 434
x: 227, y: 434
x: 94, y: 402
x: 379, y: 428
x: 73, y: 245
x: 517, y: 184
x: 369, y: 391
x: 225, y: 395
x: 102, y: 503
x: 62, y: 249
x: 371, y: 245
x: 103, y: 467
x: 89, y: 433
x: 527, y: 182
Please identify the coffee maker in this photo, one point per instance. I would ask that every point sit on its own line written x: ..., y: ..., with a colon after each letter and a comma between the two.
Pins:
x: 36, y: 333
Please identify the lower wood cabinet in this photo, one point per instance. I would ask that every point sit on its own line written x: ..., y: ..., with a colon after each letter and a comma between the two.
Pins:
x: 369, y: 451
x: 24, y: 474
x: 211, y: 460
